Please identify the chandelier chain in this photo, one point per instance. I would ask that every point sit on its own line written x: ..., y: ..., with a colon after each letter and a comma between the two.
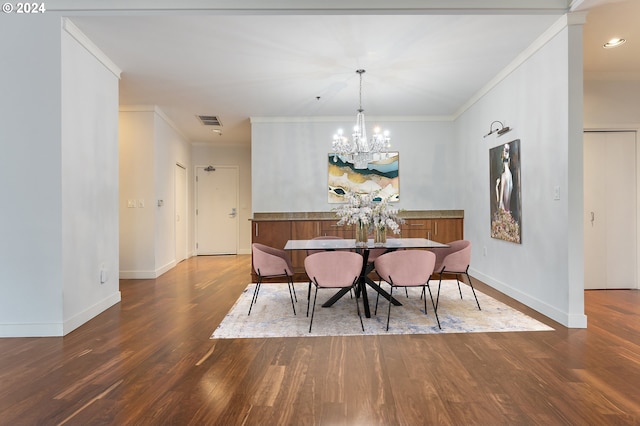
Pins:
x: 360, y: 72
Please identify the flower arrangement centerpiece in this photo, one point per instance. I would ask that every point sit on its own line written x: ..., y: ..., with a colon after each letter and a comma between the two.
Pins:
x: 369, y: 212
x: 357, y: 211
x: 385, y: 218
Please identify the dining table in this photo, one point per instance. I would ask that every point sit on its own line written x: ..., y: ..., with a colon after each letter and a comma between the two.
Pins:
x: 365, y: 249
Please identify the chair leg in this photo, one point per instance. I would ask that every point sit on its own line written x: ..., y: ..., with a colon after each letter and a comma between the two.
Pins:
x: 313, y: 310
x: 255, y: 294
x: 290, y: 279
x: 435, y: 311
x: 390, y: 298
x: 472, y: 289
x: 437, y: 298
x: 291, y: 293
x: 459, y: 291
x: 359, y: 315
x: 375, y: 312
x: 425, y: 298
x: 308, y: 298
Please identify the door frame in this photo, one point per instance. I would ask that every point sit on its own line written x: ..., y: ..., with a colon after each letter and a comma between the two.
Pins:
x: 636, y: 130
x: 184, y: 208
x: 195, y: 206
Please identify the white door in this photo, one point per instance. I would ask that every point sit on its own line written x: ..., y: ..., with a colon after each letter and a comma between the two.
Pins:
x: 610, y: 220
x: 217, y: 210
x: 181, y: 212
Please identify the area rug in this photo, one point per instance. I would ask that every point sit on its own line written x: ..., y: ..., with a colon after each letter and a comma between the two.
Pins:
x: 272, y: 315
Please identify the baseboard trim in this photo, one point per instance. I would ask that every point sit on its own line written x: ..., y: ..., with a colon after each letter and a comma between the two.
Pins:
x: 147, y: 275
x: 137, y: 275
x: 169, y: 266
x: 77, y: 320
x: 59, y: 329
x: 53, y: 329
x: 564, y: 318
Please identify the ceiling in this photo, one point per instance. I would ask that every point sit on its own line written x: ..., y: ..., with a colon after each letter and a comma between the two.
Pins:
x: 237, y: 66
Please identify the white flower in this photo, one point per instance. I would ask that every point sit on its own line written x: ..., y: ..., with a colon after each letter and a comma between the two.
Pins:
x: 361, y: 208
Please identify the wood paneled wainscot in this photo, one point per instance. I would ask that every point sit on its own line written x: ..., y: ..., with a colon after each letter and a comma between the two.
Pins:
x: 275, y: 229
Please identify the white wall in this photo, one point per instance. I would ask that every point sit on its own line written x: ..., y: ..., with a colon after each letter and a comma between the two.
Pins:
x: 539, y: 100
x: 59, y: 221
x: 204, y: 155
x: 612, y: 104
x: 150, y: 148
x: 137, y: 225
x: 89, y: 185
x: 31, y: 172
x: 290, y: 163
x: 170, y: 148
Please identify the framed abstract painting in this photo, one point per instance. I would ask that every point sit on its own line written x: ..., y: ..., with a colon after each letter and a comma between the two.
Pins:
x: 382, y: 174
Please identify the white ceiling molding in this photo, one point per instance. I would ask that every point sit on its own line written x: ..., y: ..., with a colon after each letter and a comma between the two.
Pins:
x: 568, y: 19
x: 578, y: 5
x: 84, y: 41
x: 137, y: 108
x: 420, y: 70
x: 155, y: 109
x: 333, y: 119
x: 313, y: 6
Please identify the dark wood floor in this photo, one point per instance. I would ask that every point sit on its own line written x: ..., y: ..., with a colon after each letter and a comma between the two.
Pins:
x: 149, y: 361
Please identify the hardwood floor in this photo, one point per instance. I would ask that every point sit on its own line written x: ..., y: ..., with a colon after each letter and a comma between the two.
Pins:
x: 149, y: 361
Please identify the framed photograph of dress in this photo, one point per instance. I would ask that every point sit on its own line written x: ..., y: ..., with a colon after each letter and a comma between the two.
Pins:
x: 504, y: 190
x: 382, y: 174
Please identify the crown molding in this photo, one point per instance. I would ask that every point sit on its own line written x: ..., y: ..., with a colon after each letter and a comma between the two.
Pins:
x: 333, y: 119
x: 265, y: 7
x: 85, y: 42
x: 156, y: 110
x: 577, y: 18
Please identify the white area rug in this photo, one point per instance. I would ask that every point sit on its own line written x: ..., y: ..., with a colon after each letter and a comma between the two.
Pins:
x: 272, y: 315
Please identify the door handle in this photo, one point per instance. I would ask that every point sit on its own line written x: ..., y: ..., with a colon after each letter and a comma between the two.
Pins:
x: 233, y: 212
x: 593, y: 218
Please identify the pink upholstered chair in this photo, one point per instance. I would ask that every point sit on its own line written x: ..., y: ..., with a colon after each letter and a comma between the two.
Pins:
x: 310, y: 252
x: 271, y: 262
x: 454, y: 259
x: 407, y: 268
x: 374, y: 254
x: 333, y: 269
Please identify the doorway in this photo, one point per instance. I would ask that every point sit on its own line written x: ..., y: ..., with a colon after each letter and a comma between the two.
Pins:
x: 610, y: 210
x: 216, y: 210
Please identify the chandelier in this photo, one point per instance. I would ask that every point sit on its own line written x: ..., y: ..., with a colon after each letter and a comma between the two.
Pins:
x: 359, y: 150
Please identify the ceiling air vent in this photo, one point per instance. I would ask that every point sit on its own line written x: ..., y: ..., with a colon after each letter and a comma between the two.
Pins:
x: 209, y: 120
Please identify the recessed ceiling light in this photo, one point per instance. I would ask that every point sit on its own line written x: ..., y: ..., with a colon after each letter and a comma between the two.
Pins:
x: 614, y: 42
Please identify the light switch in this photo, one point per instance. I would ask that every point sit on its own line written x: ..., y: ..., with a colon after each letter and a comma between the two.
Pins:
x: 556, y: 193
x: 141, y: 203
x: 131, y: 204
